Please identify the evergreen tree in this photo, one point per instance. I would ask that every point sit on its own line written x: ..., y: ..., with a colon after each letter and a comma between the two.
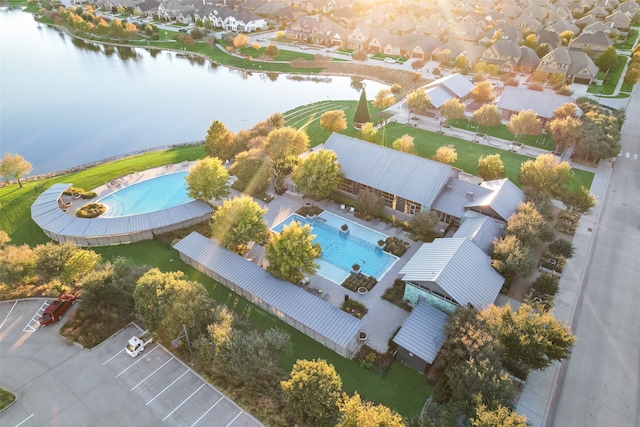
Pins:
x: 362, y: 111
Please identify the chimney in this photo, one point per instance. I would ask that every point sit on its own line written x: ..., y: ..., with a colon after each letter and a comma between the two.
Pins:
x: 469, y: 194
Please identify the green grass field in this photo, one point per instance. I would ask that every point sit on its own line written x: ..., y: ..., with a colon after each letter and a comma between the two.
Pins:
x: 611, y: 80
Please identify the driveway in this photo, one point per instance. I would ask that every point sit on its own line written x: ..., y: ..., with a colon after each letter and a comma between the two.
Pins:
x: 57, y: 383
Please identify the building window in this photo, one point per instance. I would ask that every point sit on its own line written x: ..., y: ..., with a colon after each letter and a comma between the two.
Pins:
x: 412, y: 207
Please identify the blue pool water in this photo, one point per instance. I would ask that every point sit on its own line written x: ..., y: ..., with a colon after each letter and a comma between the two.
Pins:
x: 151, y: 195
x: 340, y: 251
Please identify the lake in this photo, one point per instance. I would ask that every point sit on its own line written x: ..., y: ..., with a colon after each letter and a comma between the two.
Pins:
x: 64, y: 102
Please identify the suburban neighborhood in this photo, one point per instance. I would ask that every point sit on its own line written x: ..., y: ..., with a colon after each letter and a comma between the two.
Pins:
x: 432, y: 254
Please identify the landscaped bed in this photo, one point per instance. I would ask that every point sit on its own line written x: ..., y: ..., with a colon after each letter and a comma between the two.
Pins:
x: 395, y: 295
x: 354, y: 308
x: 355, y: 282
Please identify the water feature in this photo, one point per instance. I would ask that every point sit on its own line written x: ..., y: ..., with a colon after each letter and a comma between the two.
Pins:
x: 66, y: 102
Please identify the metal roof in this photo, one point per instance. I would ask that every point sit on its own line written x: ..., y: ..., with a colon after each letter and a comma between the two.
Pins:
x: 503, y: 199
x: 405, y: 175
x: 296, y: 303
x: 48, y: 215
x: 456, y: 196
x: 422, y: 333
x: 480, y: 229
x: 542, y: 103
x: 457, y: 266
x: 456, y: 84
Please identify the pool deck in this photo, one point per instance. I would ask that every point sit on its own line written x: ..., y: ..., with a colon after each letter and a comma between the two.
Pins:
x: 383, y: 318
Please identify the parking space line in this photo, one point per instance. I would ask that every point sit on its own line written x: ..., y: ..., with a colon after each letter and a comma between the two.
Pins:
x: 36, y: 318
x: 136, y: 362
x: 9, y: 313
x: 208, y: 410
x: 236, y: 417
x: 165, y: 389
x: 183, y: 402
x: 24, y: 421
x: 148, y: 376
x: 113, y: 357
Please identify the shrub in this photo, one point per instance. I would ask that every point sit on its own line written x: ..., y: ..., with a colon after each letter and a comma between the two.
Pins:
x: 395, y: 295
x: 567, y: 222
x: 355, y: 308
x: 309, y: 210
x: 562, y: 247
x: 545, y: 284
x: 395, y: 246
x: 344, y: 227
x: 535, y: 86
x: 552, y: 263
x: 353, y: 283
x: 89, y: 195
x: 91, y: 210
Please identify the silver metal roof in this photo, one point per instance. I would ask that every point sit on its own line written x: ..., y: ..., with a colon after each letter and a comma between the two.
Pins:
x: 405, y: 175
x: 542, y: 103
x: 456, y: 196
x: 456, y: 84
x: 422, y: 333
x: 480, y: 229
x: 311, y: 311
x: 503, y: 199
x: 48, y: 215
x: 459, y: 267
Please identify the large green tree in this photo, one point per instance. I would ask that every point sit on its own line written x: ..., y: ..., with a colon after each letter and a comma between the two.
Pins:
x: 362, y: 114
x: 52, y: 258
x: 237, y: 222
x: 208, y: 179
x: 526, y: 224
x: 483, y: 93
x: 488, y: 116
x: 423, y: 225
x: 369, y: 204
x: 313, y: 393
x: 452, y: 109
x: 404, y: 144
x: 253, y: 171
x: 292, y: 253
x: 219, y: 141
x: 318, y: 173
x: 608, y: 59
x: 333, y: 121
x: 369, y: 133
x: 580, y: 202
x: 356, y: 413
x: 446, y: 154
x: 511, y: 258
x: 546, y: 173
x: 14, y: 166
x: 531, y: 340
x: 490, y: 167
x: 526, y: 122
x: 418, y: 101
x: 565, y: 132
x: 384, y: 99
x: 286, y: 142
x: 500, y: 416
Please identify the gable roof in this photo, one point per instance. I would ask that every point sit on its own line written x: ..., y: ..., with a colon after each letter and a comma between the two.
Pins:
x: 312, y: 312
x: 503, y: 200
x: 405, y: 175
x: 422, y: 333
x: 581, y: 61
x: 459, y: 267
x: 455, y: 197
x: 480, y: 229
x: 542, y: 103
x: 448, y: 87
x: 529, y: 57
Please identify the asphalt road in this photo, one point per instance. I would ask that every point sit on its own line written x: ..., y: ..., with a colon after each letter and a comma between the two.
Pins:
x: 600, y: 384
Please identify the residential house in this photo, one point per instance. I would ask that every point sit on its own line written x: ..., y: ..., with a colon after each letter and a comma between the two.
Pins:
x: 599, y: 12
x: 358, y: 38
x: 432, y: 26
x: 515, y: 99
x: 388, y: 44
x: 317, y: 30
x: 576, y: 65
x: 528, y: 61
x: 423, y: 46
x: 236, y: 20
x: 630, y: 7
x: 146, y: 7
x: 621, y: 21
x: 595, y: 43
x: 449, y: 51
x: 504, y: 54
x: 405, y: 24
x: 449, y: 87
x: 466, y: 30
x: 562, y: 26
x: 527, y: 22
x: 600, y: 26
x: 549, y: 37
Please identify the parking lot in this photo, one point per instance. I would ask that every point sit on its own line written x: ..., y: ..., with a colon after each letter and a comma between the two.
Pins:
x: 57, y: 383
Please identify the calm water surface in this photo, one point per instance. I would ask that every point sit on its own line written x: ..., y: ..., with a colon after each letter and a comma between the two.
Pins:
x: 65, y: 103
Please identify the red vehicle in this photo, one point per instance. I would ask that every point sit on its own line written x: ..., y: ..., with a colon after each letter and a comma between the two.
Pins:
x: 56, y: 309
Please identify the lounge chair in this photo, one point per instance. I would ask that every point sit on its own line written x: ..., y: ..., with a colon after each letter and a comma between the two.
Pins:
x: 388, y: 226
x: 343, y: 207
x: 352, y: 210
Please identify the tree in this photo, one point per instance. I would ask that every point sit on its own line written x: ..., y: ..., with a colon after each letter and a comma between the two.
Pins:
x: 286, y: 142
x: 416, y: 64
x: 511, y: 258
x: 541, y: 200
x: 531, y: 41
x: 360, y: 56
x: 253, y: 171
x: 567, y: 109
x: 237, y: 222
x: 488, y: 115
x: 395, y: 89
x: 318, y: 173
x: 51, y: 259
x: 313, y: 393
x: 369, y: 204
x: 467, y: 337
x: 417, y: 101
x: 219, y: 141
x: 333, y: 121
x: 526, y: 122
x: 362, y: 115
x: 547, y: 174
x: 17, y: 267
x: 452, y: 109
x: 501, y: 416
x: 562, y: 247
x: 240, y: 41
x: 404, y: 144
x: 14, y: 166
x: 565, y: 132
x: 526, y: 224
x: 460, y: 62
x: 208, y: 179
x: 600, y: 132
x: 369, y: 133
x: 483, y: 93
x: 79, y: 264
x: 580, y: 202
x: 111, y: 286
x: 423, y: 225
x: 608, y: 59
x: 292, y: 254
x: 490, y: 167
x: 632, y: 75
x: 543, y: 49
x: 566, y: 37
x: 356, y: 413
x: 531, y: 340
x: 446, y: 154
x: 4, y: 238
x: 272, y: 50
x: 384, y: 99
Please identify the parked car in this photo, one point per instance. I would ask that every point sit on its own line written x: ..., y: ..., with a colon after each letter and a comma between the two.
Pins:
x: 303, y: 47
x: 389, y: 60
x: 57, y: 309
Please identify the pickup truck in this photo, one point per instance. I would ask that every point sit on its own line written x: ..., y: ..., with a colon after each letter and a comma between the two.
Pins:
x: 135, y: 346
x: 56, y: 309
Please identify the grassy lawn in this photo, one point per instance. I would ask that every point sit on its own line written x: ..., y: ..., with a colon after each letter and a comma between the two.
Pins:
x: 284, y: 55
x: 611, y: 80
x: 629, y: 42
x: 503, y: 133
x: 402, y: 388
x: 6, y: 398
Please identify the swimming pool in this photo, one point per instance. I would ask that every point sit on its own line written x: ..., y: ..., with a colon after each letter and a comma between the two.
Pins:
x: 340, y: 251
x: 151, y: 195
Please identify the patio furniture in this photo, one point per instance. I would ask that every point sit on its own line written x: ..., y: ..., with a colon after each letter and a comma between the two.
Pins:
x: 352, y: 210
x: 343, y: 207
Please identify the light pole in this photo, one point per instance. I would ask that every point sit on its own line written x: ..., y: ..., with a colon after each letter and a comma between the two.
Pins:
x: 184, y: 333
